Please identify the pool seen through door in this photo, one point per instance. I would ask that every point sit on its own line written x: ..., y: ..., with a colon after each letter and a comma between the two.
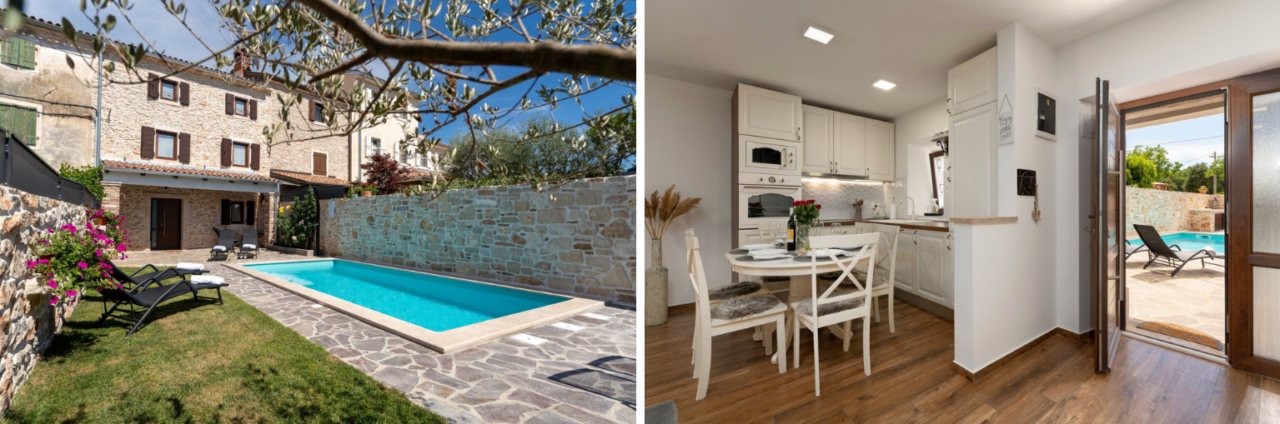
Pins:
x: 166, y: 224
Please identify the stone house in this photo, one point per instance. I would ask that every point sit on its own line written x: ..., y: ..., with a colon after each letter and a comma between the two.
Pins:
x: 48, y: 105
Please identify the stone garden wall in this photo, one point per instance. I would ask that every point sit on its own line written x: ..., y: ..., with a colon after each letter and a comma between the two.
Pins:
x: 1168, y: 211
x: 27, y: 320
x: 576, y: 238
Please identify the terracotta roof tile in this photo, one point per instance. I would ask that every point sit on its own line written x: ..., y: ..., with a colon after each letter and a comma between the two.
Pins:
x: 186, y: 170
x: 309, y: 178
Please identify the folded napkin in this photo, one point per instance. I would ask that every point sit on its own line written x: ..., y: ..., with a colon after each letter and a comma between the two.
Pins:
x: 769, y: 255
x: 190, y: 266
x: 248, y: 246
x: 220, y: 248
x: 208, y: 279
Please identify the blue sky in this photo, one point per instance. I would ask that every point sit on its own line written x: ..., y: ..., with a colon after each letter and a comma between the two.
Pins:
x: 1188, y: 142
x: 171, y: 38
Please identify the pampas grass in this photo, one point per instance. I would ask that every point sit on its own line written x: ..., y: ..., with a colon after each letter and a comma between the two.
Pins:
x: 659, y: 211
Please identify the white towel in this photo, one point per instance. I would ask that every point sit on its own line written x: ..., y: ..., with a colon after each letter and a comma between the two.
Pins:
x: 248, y: 246
x: 219, y: 248
x: 190, y: 266
x: 208, y: 279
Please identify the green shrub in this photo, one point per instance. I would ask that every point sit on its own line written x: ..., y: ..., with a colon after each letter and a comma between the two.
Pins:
x: 296, y: 224
x: 90, y: 176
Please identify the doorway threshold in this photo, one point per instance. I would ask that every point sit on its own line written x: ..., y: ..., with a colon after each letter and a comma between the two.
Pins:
x: 1171, y: 346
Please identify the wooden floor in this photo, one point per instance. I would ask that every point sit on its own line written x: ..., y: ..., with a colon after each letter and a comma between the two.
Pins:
x: 911, y: 381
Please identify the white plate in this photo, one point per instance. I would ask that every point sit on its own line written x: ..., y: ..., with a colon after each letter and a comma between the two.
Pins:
x: 823, y: 253
x: 758, y: 246
x: 767, y: 252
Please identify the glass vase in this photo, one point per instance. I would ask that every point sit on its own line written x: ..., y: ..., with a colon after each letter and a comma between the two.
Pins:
x: 802, y: 237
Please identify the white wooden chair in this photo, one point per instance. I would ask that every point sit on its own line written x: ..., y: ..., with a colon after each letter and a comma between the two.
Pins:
x: 735, y: 290
x: 836, y: 305
x: 886, y: 267
x: 726, y: 317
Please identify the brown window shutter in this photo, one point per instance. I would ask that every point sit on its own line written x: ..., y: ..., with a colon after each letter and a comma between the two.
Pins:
x: 319, y: 164
x: 248, y: 217
x: 253, y: 159
x: 185, y: 96
x: 148, y: 142
x: 184, y: 148
x: 226, y: 152
x: 153, y: 86
x: 226, y: 211
x: 253, y: 109
x: 311, y: 110
x: 231, y: 104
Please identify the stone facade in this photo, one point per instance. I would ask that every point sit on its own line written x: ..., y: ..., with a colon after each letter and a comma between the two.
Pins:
x: 576, y: 238
x: 201, y: 213
x: 1168, y: 211
x: 62, y: 97
x: 27, y: 320
x: 1202, y: 220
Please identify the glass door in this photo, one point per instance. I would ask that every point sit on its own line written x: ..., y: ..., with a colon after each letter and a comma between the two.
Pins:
x: 1109, y: 226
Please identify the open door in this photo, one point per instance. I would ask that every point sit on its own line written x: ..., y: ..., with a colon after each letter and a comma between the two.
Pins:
x: 1109, y: 231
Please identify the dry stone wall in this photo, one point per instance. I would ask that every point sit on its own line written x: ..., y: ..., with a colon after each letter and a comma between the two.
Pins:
x: 578, y: 238
x: 27, y: 321
x: 1168, y: 211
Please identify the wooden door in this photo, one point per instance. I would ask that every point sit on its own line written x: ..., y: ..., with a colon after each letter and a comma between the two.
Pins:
x: 1253, y: 236
x: 851, y: 144
x: 819, y: 135
x: 880, y: 150
x: 166, y: 224
x: 769, y: 114
x: 1109, y: 272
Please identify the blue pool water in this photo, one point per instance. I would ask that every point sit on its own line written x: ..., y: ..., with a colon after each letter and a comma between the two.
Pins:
x: 428, y: 301
x: 1192, y: 241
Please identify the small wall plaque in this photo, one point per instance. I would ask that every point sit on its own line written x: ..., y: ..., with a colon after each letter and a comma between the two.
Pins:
x: 1026, y: 182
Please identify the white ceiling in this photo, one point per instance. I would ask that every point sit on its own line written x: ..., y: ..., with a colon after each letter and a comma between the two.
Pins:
x: 913, y: 43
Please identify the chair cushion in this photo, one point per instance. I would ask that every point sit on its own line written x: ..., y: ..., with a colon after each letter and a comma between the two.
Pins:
x: 1185, y: 255
x: 746, y: 307
x: 805, y: 307
x: 190, y: 266
x: 219, y: 248
x: 775, y: 278
x: 208, y: 279
x: 249, y: 246
x: 735, y: 290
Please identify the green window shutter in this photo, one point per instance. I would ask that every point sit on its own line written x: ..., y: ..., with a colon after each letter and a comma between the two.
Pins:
x: 6, y: 51
x: 28, y: 54
x: 32, y: 117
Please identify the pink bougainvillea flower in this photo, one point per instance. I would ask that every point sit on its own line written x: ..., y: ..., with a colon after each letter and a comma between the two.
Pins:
x: 31, y: 264
x: 82, y: 265
x: 52, y: 284
x: 71, y: 293
x: 49, y: 229
x: 42, y: 261
x: 53, y: 301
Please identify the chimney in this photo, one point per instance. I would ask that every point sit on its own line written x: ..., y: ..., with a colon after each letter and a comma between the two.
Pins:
x: 240, y: 63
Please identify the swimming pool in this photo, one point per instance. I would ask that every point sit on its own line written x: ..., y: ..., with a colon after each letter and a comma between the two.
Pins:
x: 1192, y: 241
x: 440, y: 312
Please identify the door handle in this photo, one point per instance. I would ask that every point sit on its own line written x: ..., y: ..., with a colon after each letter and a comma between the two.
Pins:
x: 797, y: 133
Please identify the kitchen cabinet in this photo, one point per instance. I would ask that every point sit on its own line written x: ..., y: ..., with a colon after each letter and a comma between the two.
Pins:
x: 819, y: 127
x: 850, y: 144
x: 930, y: 266
x: 949, y: 272
x: 905, y: 260
x: 840, y: 143
x: 972, y: 84
x: 769, y: 114
x: 972, y: 163
x: 880, y: 150
x: 925, y: 265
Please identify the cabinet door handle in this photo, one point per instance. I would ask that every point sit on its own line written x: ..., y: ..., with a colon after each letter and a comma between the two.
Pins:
x: 798, y: 133
x: 948, y: 242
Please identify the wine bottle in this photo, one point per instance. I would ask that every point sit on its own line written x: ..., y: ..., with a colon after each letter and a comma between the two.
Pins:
x: 791, y: 230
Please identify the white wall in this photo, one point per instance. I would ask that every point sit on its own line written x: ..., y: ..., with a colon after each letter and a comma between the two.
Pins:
x: 912, y: 133
x: 1181, y: 45
x: 998, y: 312
x: 687, y: 142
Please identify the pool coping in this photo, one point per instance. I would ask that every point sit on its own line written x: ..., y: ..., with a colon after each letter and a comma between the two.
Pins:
x: 440, y: 341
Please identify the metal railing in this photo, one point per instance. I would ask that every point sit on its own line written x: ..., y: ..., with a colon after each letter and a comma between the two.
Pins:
x: 22, y: 169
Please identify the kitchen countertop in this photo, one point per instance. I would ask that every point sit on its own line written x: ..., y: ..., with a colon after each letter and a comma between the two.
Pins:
x: 930, y: 226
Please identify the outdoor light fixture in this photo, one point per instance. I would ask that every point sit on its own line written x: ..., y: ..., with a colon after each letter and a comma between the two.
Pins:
x: 818, y: 34
x: 884, y: 85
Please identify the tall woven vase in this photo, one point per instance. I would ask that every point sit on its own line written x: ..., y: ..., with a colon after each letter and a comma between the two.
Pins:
x: 655, y: 287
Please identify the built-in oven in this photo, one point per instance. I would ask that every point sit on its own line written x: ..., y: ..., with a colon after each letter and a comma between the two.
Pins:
x: 768, y: 156
x: 758, y: 204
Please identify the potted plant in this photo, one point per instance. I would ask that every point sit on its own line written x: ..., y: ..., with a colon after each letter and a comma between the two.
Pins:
x: 1204, y: 190
x: 72, y: 259
x: 805, y: 213
x: 659, y: 212
x: 368, y: 190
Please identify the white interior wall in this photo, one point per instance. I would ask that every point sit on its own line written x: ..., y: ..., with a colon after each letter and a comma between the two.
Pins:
x: 912, y: 133
x: 687, y: 137
x: 1181, y: 45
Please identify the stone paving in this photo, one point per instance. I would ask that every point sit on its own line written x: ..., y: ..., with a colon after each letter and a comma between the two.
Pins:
x: 1196, y: 298
x: 171, y: 257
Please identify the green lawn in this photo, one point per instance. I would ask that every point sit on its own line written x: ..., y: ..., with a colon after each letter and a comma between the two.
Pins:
x: 199, y: 362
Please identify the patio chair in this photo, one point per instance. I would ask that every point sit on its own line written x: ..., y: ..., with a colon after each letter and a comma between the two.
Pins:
x: 1158, y: 250
x: 1130, y: 249
x: 140, y: 295
x: 226, y: 244
x: 139, y: 277
x: 248, y: 244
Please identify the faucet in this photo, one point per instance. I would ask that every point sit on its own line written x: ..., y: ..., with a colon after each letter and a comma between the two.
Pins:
x: 911, y: 208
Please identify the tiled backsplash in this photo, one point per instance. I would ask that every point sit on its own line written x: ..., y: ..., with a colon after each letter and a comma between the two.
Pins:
x: 836, y: 197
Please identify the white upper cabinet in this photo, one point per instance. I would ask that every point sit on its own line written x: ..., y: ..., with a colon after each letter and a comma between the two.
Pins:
x: 819, y: 127
x: 972, y: 162
x: 972, y: 84
x: 879, y: 150
x: 770, y: 114
x: 850, y: 144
